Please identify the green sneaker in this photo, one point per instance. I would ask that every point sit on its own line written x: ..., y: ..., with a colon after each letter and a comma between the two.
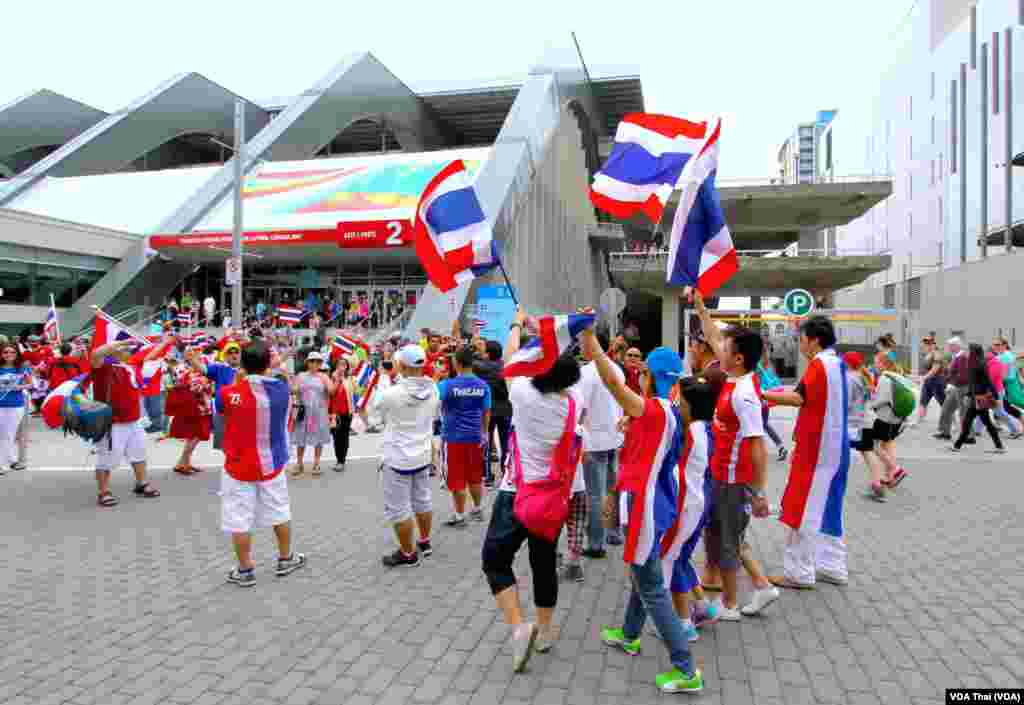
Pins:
x: 616, y: 637
x: 675, y: 681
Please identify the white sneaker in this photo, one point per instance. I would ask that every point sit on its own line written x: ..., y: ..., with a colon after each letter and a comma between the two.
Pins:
x: 762, y: 598
x: 728, y: 614
x: 830, y: 578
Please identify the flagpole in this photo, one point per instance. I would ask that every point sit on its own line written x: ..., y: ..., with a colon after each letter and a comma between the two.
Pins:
x: 56, y: 320
x: 511, y: 289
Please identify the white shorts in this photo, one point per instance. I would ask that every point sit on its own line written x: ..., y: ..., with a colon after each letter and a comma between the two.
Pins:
x: 127, y: 441
x: 253, y: 505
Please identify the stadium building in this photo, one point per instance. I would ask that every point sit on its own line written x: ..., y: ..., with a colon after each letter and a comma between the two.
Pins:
x: 121, y: 210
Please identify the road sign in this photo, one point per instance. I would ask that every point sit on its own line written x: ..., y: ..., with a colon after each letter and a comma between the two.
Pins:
x: 798, y: 302
x: 233, y: 271
x: 613, y: 301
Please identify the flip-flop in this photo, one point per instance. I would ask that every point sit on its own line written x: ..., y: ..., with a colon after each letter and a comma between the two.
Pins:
x: 182, y: 470
x: 107, y: 499
x: 146, y: 491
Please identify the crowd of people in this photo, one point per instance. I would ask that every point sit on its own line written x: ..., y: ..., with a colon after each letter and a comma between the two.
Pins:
x: 653, y: 454
x: 360, y: 310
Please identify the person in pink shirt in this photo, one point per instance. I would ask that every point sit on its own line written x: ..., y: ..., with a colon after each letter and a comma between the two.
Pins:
x: 997, y: 371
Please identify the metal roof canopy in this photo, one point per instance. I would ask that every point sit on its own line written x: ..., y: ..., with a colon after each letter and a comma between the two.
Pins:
x: 43, y: 119
x: 184, y: 104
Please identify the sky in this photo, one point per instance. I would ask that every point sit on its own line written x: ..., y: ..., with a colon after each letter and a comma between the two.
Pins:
x: 762, y: 66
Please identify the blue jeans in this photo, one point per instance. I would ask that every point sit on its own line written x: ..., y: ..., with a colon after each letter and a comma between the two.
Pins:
x: 599, y: 468
x: 650, y: 597
x: 155, y: 410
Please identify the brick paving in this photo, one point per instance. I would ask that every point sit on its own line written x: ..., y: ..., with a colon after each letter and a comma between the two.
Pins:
x: 129, y: 605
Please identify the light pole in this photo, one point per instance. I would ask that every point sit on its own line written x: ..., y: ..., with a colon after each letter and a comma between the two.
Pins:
x: 236, y: 234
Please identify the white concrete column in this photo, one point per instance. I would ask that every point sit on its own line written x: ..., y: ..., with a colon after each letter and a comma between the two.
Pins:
x: 670, y: 316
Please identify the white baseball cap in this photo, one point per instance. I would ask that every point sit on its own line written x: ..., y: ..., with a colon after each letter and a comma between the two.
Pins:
x: 411, y: 356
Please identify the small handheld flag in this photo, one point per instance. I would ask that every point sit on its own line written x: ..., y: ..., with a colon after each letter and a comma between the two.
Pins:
x: 290, y: 315
x: 556, y: 335
x: 51, y: 329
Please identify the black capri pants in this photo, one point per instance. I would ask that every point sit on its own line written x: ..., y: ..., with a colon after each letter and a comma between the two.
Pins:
x: 505, y: 536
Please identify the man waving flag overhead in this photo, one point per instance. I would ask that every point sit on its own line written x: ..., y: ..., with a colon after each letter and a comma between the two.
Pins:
x: 451, y: 233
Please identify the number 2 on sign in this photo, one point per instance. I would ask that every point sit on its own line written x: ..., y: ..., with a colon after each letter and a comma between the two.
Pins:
x: 395, y: 238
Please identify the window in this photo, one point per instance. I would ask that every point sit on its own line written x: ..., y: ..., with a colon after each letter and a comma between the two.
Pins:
x: 931, y: 177
x: 941, y: 214
x: 910, y: 187
x: 995, y: 73
x: 889, y: 296
x: 913, y: 294
x: 932, y: 88
x: 910, y: 226
x: 933, y: 130
x: 910, y: 107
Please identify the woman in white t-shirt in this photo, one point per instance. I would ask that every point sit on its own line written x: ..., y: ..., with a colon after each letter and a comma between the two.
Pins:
x: 540, y: 407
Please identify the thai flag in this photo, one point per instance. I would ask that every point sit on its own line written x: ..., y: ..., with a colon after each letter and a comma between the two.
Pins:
x: 557, y: 333
x: 109, y: 331
x: 452, y: 237
x: 290, y: 315
x: 149, y: 373
x: 691, y: 469
x: 185, y: 318
x: 701, y: 252
x: 50, y: 327
x: 366, y: 392
x: 54, y: 402
x: 349, y: 345
x: 648, y: 478
x: 478, y: 325
x: 813, y: 500
x: 360, y: 381
x: 646, y: 161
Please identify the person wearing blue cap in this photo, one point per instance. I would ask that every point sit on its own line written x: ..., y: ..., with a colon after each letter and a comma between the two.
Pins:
x: 647, y: 476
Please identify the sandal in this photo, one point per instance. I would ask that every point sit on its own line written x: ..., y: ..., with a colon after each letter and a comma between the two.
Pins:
x: 107, y: 499
x: 298, y: 471
x: 182, y: 470
x: 146, y: 490
x: 316, y: 470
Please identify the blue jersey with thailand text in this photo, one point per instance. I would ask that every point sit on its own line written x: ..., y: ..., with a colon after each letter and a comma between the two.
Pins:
x: 464, y: 401
x: 11, y: 377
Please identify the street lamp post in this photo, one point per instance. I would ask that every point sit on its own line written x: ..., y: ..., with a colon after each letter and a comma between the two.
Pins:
x: 236, y: 234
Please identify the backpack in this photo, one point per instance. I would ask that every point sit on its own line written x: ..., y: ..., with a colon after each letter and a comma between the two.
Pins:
x: 904, y: 398
x: 542, y: 506
x: 86, y: 418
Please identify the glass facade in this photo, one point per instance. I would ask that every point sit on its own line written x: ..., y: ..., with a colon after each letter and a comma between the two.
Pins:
x: 927, y: 133
x: 29, y: 275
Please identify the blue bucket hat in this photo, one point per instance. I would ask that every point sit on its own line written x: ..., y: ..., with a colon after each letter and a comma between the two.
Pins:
x: 665, y: 367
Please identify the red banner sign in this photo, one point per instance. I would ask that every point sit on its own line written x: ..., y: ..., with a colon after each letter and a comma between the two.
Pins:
x: 358, y: 235
x: 375, y: 233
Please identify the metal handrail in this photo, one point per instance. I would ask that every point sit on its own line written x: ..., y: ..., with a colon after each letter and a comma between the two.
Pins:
x: 779, y: 181
x: 787, y: 252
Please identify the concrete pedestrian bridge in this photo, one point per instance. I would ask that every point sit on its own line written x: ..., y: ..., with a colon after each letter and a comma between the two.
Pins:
x: 758, y: 275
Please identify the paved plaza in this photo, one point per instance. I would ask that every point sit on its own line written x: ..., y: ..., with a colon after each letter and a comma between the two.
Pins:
x: 129, y: 605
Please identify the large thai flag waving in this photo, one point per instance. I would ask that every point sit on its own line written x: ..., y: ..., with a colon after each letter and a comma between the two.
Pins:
x: 647, y: 159
x: 538, y: 356
x: 451, y: 234
x: 701, y: 252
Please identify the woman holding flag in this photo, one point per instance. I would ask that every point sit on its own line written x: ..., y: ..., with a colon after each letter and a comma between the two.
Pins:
x: 341, y: 409
x: 312, y: 389
x: 190, y: 405
x: 15, y: 379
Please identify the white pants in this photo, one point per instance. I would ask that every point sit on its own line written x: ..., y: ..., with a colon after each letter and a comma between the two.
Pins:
x: 810, y: 552
x: 10, y: 420
x: 253, y: 505
x: 127, y: 441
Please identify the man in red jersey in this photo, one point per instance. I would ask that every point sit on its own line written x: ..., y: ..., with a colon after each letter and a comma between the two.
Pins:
x: 119, y: 384
x: 738, y: 464
x: 254, y: 490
